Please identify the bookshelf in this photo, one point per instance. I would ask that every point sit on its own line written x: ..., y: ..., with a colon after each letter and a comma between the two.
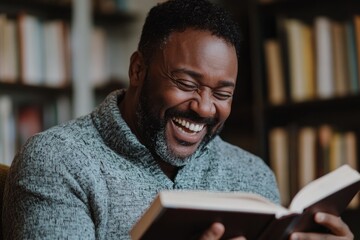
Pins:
x: 40, y: 74
x: 306, y: 89
x: 35, y: 70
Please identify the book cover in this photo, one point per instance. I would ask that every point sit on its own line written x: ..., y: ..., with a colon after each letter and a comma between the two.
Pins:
x: 186, y: 214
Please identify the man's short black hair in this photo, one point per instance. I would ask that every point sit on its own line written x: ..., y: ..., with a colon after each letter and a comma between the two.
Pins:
x: 178, y: 15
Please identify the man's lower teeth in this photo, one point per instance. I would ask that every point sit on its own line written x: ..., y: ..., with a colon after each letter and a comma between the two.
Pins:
x: 182, y: 130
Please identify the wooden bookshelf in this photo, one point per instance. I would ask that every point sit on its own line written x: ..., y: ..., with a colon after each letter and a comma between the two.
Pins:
x: 336, y: 111
x: 268, y: 20
x: 13, y: 88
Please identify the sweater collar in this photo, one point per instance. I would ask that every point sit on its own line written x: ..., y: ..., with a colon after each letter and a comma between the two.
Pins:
x: 113, y: 128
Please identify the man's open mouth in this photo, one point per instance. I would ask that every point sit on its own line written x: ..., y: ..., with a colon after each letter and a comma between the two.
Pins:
x: 188, y: 127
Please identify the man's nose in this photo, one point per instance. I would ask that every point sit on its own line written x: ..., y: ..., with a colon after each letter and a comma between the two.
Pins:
x: 203, y: 103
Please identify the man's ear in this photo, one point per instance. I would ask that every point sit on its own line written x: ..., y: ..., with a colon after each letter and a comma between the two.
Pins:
x: 137, y: 69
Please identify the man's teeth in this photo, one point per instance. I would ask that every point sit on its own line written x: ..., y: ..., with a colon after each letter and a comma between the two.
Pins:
x: 190, y: 126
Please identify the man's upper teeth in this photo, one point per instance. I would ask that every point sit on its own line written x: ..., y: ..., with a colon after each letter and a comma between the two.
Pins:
x: 191, y: 126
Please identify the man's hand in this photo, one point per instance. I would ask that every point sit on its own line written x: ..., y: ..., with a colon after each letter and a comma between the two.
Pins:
x: 339, y: 230
x: 215, y: 232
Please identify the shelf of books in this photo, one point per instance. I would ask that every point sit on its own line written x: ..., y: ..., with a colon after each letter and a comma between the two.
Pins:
x: 35, y: 71
x: 36, y: 66
x: 309, y: 89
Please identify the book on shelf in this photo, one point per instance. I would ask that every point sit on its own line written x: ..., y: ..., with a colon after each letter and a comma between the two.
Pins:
x: 295, y: 50
x: 324, y: 57
x: 307, y: 156
x: 186, y: 214
x: 325, y: 133
x: 31, y: 50
x: 56, y: 57
x: 308, y: 60
x: 341, y: 79
x: 8, y: 50
x: 275, y: 74
x: 351, y: 54
x: 292, y: 147
x: 7, y: 130
x: 300, y: 49
x: 279, y: 161
x: 99, y: 56
x: 43, y: 51
x: 357, y: 41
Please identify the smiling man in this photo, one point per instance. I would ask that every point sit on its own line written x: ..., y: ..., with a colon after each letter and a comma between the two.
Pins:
x: 185, y: 95
x: 93, y: 177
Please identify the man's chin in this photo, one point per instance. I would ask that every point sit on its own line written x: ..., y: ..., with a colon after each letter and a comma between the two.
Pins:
x: 184, y: 154
x: 175, y: 157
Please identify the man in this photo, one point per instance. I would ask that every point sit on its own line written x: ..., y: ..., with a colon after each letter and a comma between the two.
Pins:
x: 93, y: 177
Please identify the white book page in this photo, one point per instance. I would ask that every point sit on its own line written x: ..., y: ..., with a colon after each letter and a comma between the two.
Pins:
x: 241, y: 202
x: 324, y: 186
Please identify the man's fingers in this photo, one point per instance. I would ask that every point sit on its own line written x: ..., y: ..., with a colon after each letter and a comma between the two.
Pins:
x: 339, y: 230
x: 334, y: 224
x: 214, y: 232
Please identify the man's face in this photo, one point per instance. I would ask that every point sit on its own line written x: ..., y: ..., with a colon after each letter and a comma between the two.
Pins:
x: 186, y: 95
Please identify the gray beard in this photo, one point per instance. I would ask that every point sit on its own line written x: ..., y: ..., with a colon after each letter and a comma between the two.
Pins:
x: 163, y: 151
x: 154, y: 137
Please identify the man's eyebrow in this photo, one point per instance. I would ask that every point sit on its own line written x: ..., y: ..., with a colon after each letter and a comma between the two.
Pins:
x: 226, y: 83
x: 191, y: 73
x: 196, y: 75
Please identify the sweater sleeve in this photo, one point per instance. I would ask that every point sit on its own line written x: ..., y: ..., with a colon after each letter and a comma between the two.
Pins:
x: 43, y: 199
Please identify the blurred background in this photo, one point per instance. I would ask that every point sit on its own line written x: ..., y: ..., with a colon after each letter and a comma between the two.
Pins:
x: 297, y: 101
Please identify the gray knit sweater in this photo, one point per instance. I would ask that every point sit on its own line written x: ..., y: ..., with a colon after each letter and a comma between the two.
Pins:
x: 92, y: 179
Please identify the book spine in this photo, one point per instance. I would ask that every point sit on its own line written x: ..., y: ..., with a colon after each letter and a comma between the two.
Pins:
x: 275, y: 76
x: 324, y: 57
x: 279, y: 161
x: 7, y: 130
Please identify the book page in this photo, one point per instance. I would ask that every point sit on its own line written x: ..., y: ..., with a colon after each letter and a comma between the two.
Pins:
x: 241, y: 202
x: 323, y: 187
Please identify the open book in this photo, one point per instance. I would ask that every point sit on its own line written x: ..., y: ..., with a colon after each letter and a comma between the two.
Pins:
x: 186, y: 214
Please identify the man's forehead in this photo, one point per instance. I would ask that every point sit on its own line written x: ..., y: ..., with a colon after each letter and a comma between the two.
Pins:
x: 194, y: 40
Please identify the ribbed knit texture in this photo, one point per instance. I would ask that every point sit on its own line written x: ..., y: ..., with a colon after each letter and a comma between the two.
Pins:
x: 92, y: 179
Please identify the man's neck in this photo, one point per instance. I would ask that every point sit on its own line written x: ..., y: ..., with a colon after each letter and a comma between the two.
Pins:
x: 169, y: 170
x: 127, y: 111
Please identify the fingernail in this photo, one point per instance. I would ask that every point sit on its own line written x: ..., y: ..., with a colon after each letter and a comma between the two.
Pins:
x: 294, y: 237
x: 320, y: 217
